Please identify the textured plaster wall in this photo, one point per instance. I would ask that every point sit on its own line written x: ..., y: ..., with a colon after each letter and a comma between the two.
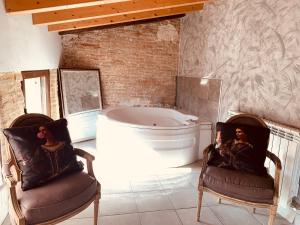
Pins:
x: 254, y: 48
x: 138, y: 63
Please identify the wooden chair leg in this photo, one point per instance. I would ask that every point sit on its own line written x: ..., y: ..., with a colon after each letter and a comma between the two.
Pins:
x: 200, y: 195
x: 96, y: 210
x: 273, y: 211
x: 96, y: 204
x: 254, y: 210
x: 14, y: 219
x: 220, y: 200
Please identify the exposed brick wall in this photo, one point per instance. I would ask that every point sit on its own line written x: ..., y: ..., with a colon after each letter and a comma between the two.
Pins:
x: 11, y: 102
x: 138, y: 63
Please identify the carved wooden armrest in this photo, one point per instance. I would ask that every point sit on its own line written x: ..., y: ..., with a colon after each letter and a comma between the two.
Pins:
x: 84, y: 154
x: 11, y: 180
x: 89, y: 159
x: 278, y: 168
x: 206, y: 151
x: 8, y: 176
x: 274, y: 159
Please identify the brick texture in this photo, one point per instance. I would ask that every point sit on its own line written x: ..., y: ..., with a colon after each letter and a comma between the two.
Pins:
x: 11, y: 102
x: 138, y: 63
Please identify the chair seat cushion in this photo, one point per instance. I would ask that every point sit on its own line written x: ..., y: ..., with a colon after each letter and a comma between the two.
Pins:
x: 240, y: 185
x: 56, y: 198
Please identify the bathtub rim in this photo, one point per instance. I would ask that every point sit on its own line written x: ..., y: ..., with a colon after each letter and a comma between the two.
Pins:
x: 103, y: 114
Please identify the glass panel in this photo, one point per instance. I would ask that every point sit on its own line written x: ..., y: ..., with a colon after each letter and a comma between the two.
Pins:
x: 35, y: 95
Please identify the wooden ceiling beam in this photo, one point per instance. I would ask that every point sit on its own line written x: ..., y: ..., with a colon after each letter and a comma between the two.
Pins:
x: 125, y: 18
x: 113, y: 9
x: 35, y: 6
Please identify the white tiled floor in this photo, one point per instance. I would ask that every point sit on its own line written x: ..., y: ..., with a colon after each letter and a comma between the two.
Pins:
x: 168, y: 197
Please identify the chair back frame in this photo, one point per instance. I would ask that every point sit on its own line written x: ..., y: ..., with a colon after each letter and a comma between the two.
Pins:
x: 245, y: 119
x: 14, y: 176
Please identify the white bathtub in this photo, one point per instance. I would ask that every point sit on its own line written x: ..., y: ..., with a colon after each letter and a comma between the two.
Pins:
x: 137, y: 138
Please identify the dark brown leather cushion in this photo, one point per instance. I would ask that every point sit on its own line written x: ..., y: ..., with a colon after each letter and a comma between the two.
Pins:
x: 251, y: 157
x: 240, y: 185
x: 37, y: 164
x: 57, y: 197
x: 257, y: 136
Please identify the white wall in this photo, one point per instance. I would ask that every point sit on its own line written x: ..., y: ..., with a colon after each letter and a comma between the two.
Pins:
x: 24, y: 46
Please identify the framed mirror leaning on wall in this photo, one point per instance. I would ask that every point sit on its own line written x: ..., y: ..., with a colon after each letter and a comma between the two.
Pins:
x: 80, y: 101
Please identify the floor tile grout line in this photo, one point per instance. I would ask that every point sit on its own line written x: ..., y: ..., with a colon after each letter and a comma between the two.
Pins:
x: 259, y: 221
x: 163, y: 189
x: 165, y: 195
x: 178, y: 217
x: 240, y: 207
x: 176, y: 210
x: 245, y: 209
x: 150, y: 211
x: 169, y: 210
x: 101, y: 216
x: 256, y: 218
x: 169, y: 199
x: 163, y: 192
x: 218, y: 218
x: 140, y: 219
x: 139, y: 214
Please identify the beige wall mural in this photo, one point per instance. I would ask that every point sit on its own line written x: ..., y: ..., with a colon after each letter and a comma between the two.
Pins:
x: 254, y: 48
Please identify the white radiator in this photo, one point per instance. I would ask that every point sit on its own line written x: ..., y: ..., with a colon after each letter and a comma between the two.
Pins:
x: 285, y: 143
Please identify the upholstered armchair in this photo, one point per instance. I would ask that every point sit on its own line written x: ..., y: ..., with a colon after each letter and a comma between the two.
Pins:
x: 56, y: 200
x: 239, y: 186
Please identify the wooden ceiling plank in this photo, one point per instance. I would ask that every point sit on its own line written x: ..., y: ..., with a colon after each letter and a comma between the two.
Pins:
x: 36, y: 6
x: 114, y: 9
x: 125, y: 18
